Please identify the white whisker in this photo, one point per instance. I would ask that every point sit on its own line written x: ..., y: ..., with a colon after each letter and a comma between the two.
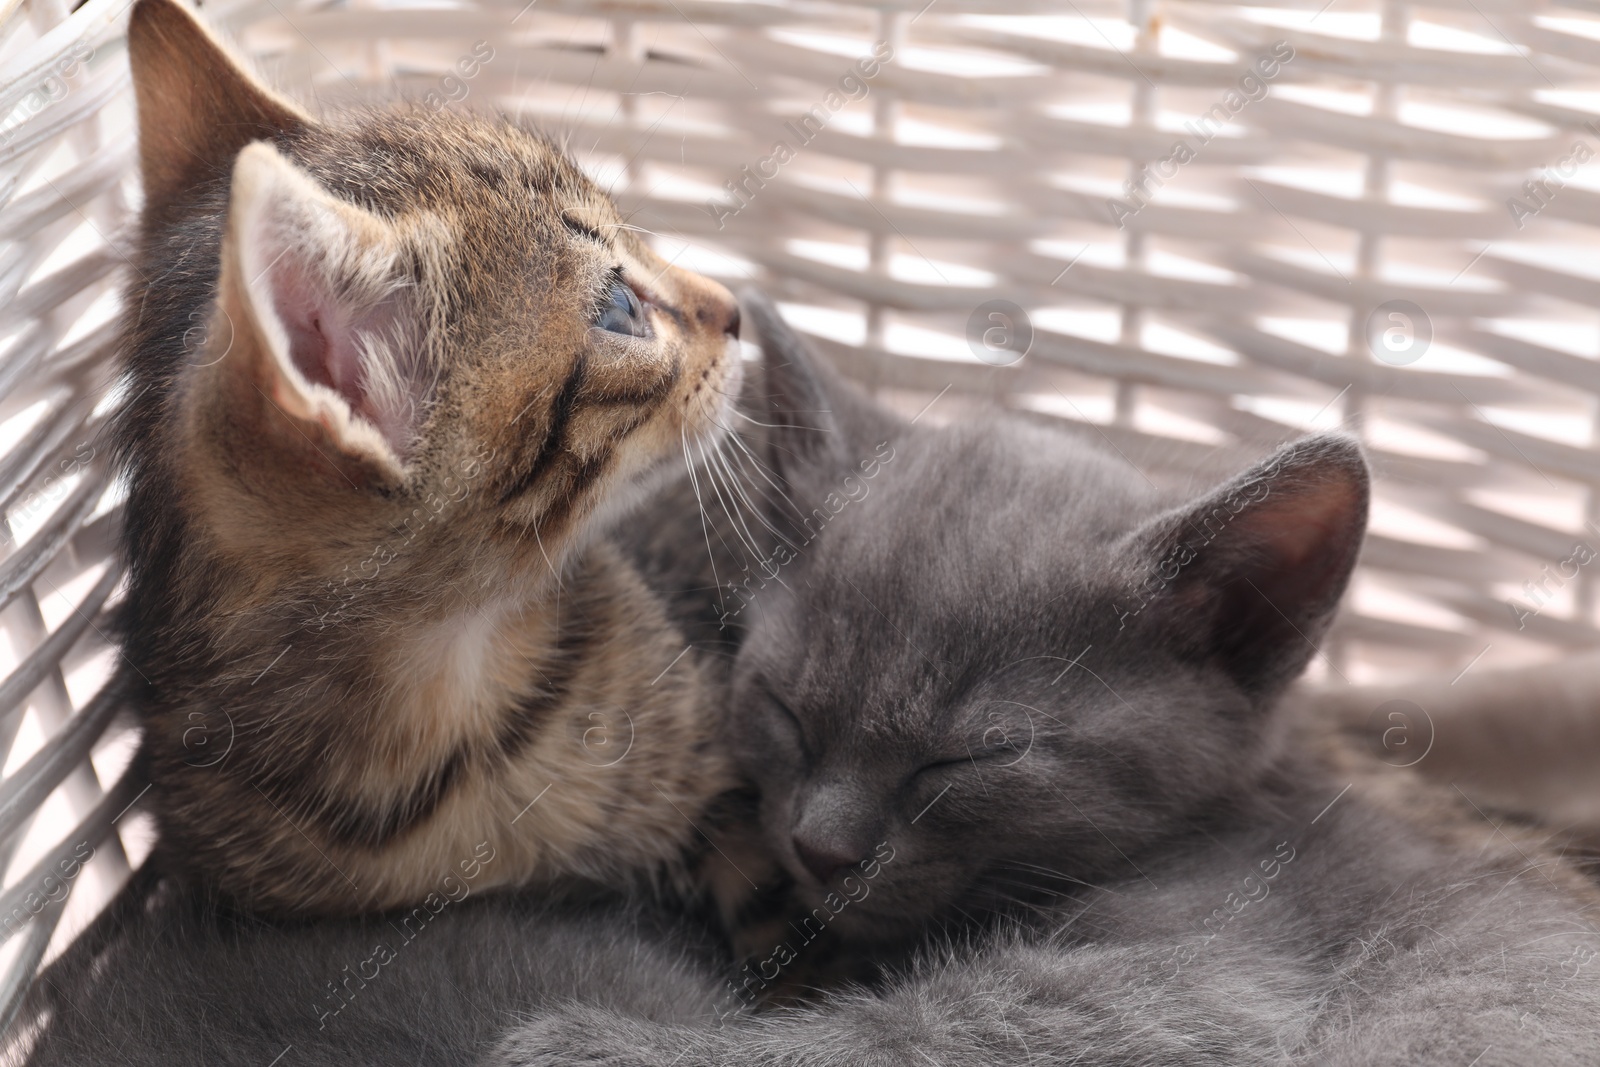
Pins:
x: 740, y: 486
x: 700, y: 503
x: 762, y: 469
x: 716, y: 486
x: 778, y: 426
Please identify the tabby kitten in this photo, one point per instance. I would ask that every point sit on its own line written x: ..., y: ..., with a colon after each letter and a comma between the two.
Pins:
x: 1050, y: 691
x: 389, y: 375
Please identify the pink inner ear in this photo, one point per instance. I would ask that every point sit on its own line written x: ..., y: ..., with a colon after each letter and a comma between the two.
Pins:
x: 326, y: 341
x: 1297, y: 527
x: 322, y: 339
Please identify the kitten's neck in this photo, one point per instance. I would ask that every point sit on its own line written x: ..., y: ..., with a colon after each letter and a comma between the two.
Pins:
x: 366, y: 756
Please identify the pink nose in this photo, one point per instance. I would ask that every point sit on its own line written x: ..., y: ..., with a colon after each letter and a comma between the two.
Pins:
x: 825, y: 860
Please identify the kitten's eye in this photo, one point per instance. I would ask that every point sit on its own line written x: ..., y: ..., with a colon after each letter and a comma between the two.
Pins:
x: 949, y: 764
x: 621, y: 311
x: 976, y: 757
x: 787, y: 715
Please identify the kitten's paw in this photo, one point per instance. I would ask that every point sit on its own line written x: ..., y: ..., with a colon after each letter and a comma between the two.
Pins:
x: 588, y: 1037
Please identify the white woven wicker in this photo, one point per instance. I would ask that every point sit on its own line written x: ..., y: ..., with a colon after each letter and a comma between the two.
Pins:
x: 1385, y: 161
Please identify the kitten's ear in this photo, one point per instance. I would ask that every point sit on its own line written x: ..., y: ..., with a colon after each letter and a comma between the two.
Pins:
x: 1255, y: 570
x: 813, y: 420
x: 197, y: 106
x: 325, y: 359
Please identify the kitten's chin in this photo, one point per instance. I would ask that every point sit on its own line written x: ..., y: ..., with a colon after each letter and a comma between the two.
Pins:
x: 626, y: 498
x: 864, y: 919
x: 630, y: 493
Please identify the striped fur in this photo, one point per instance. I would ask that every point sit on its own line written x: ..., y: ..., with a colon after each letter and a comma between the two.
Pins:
x: 373, y: 622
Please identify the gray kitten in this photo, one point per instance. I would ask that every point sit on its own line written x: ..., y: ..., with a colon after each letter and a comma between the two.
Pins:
x: 1013, y: 694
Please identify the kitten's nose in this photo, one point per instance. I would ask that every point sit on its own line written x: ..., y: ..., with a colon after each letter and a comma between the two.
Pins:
x: 825, y: 859
x: 732, y: 326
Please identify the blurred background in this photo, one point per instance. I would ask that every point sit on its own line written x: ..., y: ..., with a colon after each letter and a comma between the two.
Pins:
x: 1189, y: 230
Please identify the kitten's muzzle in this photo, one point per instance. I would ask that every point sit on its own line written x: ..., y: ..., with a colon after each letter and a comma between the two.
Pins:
x: 826, y: 859
x: 836, y: 828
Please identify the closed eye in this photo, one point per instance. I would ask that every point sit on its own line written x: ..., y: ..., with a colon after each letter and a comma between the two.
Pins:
x: 944, y: 765
x: 786, y: 712
x: 966, y: 759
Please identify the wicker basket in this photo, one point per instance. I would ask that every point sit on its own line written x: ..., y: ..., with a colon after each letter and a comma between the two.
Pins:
x: 1192, y: 229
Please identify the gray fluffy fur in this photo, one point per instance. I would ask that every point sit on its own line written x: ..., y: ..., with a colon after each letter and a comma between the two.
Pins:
x: 173, y: 982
